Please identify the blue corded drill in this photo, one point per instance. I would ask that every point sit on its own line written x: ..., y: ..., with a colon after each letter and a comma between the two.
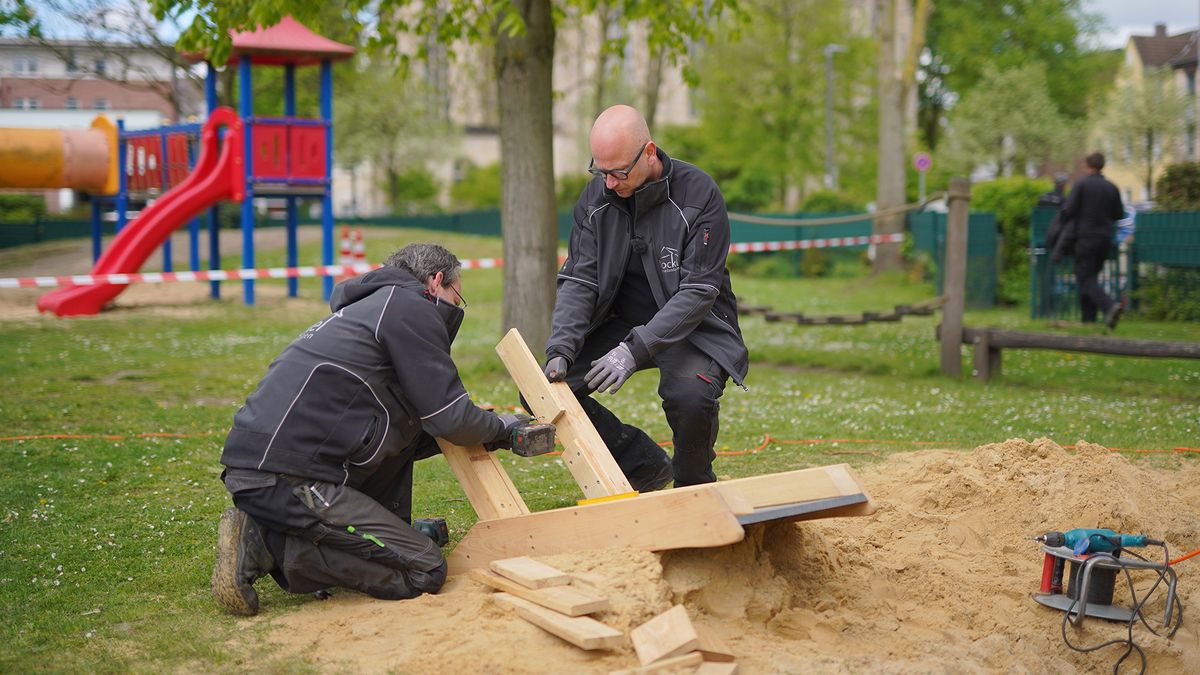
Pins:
x: 1084, y: 540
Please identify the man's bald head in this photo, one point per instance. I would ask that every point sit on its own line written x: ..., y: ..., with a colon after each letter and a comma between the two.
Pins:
x: 620, y: 130
x: 619, y: 136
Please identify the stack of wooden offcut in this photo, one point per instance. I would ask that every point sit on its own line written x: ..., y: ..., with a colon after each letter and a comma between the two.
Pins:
x: 545, y: 597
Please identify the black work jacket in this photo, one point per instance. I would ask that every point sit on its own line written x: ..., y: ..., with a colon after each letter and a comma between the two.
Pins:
x: 683, y: 228
x: 363, y: 384
x: 1094, y: 206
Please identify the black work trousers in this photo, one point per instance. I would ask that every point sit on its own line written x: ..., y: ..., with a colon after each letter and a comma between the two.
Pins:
x: 1090, y: 255
x: 324, y: 534
x: 690, y: 385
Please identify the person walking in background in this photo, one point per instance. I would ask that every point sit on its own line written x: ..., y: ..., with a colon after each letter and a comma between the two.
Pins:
x: 1093, y: 208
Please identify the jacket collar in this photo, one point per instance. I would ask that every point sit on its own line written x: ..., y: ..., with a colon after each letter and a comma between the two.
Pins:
x: 650, y: 194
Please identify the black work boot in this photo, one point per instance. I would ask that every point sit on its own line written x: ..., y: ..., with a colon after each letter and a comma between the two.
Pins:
x: 1113, y: 315
x: 242, y: 558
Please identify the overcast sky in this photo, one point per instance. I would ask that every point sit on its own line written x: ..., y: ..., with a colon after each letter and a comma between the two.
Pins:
x: 1137, y: 17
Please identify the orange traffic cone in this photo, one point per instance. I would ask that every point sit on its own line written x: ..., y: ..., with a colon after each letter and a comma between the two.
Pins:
x: 345, y: 257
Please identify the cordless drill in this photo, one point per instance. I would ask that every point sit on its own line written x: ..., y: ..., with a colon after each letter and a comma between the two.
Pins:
x: 1083, y: 540
x: 532, y: 439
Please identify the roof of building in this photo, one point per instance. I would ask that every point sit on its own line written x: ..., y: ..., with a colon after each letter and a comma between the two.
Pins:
x: 1161, y: 49
x: 1187, y: 55
x: 287, y: 42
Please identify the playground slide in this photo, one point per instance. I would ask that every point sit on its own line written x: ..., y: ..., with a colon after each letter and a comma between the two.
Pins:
x: 214, y: 179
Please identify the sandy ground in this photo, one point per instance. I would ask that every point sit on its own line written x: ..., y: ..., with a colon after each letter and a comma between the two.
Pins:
x: 938, y: 580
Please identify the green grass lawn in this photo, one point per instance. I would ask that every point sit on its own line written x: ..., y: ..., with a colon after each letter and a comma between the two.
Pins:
x: 107, y: 540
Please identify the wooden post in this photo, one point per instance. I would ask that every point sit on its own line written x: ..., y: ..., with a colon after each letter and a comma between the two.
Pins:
x: 954, y: 279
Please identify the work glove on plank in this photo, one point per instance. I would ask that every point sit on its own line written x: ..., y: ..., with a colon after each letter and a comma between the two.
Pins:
x: 556, y: 369
x: 610, y: 371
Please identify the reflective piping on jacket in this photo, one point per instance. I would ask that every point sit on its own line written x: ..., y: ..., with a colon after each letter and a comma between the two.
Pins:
x: 387, y: 416
x: 582, y: 281
x: 701, y: 286
x: 383, y: 311
x: 443, y: 408
x: 687, y: 227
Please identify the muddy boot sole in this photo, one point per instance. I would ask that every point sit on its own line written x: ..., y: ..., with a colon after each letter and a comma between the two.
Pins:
x: 236, y: 598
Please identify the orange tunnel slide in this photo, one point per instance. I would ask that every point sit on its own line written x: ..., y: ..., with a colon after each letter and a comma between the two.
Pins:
x: 80, y: 159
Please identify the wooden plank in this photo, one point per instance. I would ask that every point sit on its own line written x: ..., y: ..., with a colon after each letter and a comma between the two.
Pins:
x: 717, y: 668
x: 680, y: 663
x: 790, y: 487
x: 1098, y: 344
x: 530, y: 573
x: 584, y: 454
x: 582, y: 631
x: 659, y: 521
x: 711, y: 647
x: 562, y: 599
x: 668, y: 634
x: 484, y: 480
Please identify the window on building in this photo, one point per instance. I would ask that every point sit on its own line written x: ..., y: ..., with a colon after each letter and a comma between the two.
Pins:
x: 1191, y: 84
x: 25, y: 65
x: 101, y: 67
x: 101, y: 104
x: 18, y: 104
x: 72, y: 64
x: 71, y: 103
x: 33, y: 104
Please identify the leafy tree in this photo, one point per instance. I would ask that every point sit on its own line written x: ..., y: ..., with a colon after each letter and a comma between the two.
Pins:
x: 762, y: 102
x: 386, y: 117
x: 1143, y: 119
x: 1009, y: 120
x: 414, y: 191
x: 966, y: 37
x: 521, y: 35
x: 1179, y: 187
x: 479, y: 188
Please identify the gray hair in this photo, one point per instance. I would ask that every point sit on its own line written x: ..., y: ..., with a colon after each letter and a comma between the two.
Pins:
x: 426, y: 260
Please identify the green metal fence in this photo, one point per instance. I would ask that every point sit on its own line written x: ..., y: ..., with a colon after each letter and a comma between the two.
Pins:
x: 46, y: 229
x: 1165, y: 245
x: 929, y: 236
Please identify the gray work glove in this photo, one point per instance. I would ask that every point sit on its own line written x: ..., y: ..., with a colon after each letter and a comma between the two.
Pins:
x: 511, y: 422
x: 611, y: 370
x: 556, y: 369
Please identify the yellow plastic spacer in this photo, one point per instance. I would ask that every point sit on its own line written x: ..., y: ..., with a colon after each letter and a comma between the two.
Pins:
x: 606, y: 498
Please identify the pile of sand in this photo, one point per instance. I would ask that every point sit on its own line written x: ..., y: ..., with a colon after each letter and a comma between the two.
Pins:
x: 939, y: 579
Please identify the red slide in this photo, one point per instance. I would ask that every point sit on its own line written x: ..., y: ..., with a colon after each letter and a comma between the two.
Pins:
x: 213, y: 179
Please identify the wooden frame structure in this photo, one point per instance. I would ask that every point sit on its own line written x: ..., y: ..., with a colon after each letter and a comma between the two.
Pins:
x: 611, y: 513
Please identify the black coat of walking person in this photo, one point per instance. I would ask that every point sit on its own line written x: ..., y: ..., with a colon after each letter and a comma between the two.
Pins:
x: 319, y: 460
x: 1093, y: 209
x: 645, y: 286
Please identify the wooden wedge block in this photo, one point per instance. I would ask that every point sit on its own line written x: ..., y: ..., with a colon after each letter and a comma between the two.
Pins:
x: 711, y: 647
x: 530, y: 573
x: 668, y: 634
x: 582, y: 631
x: 673, y: 663
x: 563, y: 599
x: 715, y: 668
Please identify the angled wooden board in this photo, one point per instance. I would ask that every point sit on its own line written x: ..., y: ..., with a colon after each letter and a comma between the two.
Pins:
x: 791, y: 487
x: 668, y: 634
x: 484, y: 480
x: 585, y: 455
x: 582, y: 631
x: 566, y: 600
x: 659, y: 521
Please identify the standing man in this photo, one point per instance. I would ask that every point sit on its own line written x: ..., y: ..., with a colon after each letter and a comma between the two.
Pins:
x: 1093, y: 207
x: 645, y: 286
x: 319, y: 460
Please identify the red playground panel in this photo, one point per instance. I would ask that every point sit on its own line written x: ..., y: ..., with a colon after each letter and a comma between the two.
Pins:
x: 308, y: 151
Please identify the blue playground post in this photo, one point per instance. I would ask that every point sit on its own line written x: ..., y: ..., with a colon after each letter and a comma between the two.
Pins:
x: 96, y: 228
x: 327, y: 200
x: 122, y: 175
x: 214, y: 223
x: 194, y: 224
x: 289, y: 111
x: 246, y: 109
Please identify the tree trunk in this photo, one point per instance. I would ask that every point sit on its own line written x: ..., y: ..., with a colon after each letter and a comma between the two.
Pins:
x: 890, y: 185
x: 654, y: 69
x: 527, y: 212
x: 1149, y: 164
x: 599, y: 86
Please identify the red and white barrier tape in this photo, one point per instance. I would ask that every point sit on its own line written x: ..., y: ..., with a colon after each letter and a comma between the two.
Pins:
x: 359, y: 268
